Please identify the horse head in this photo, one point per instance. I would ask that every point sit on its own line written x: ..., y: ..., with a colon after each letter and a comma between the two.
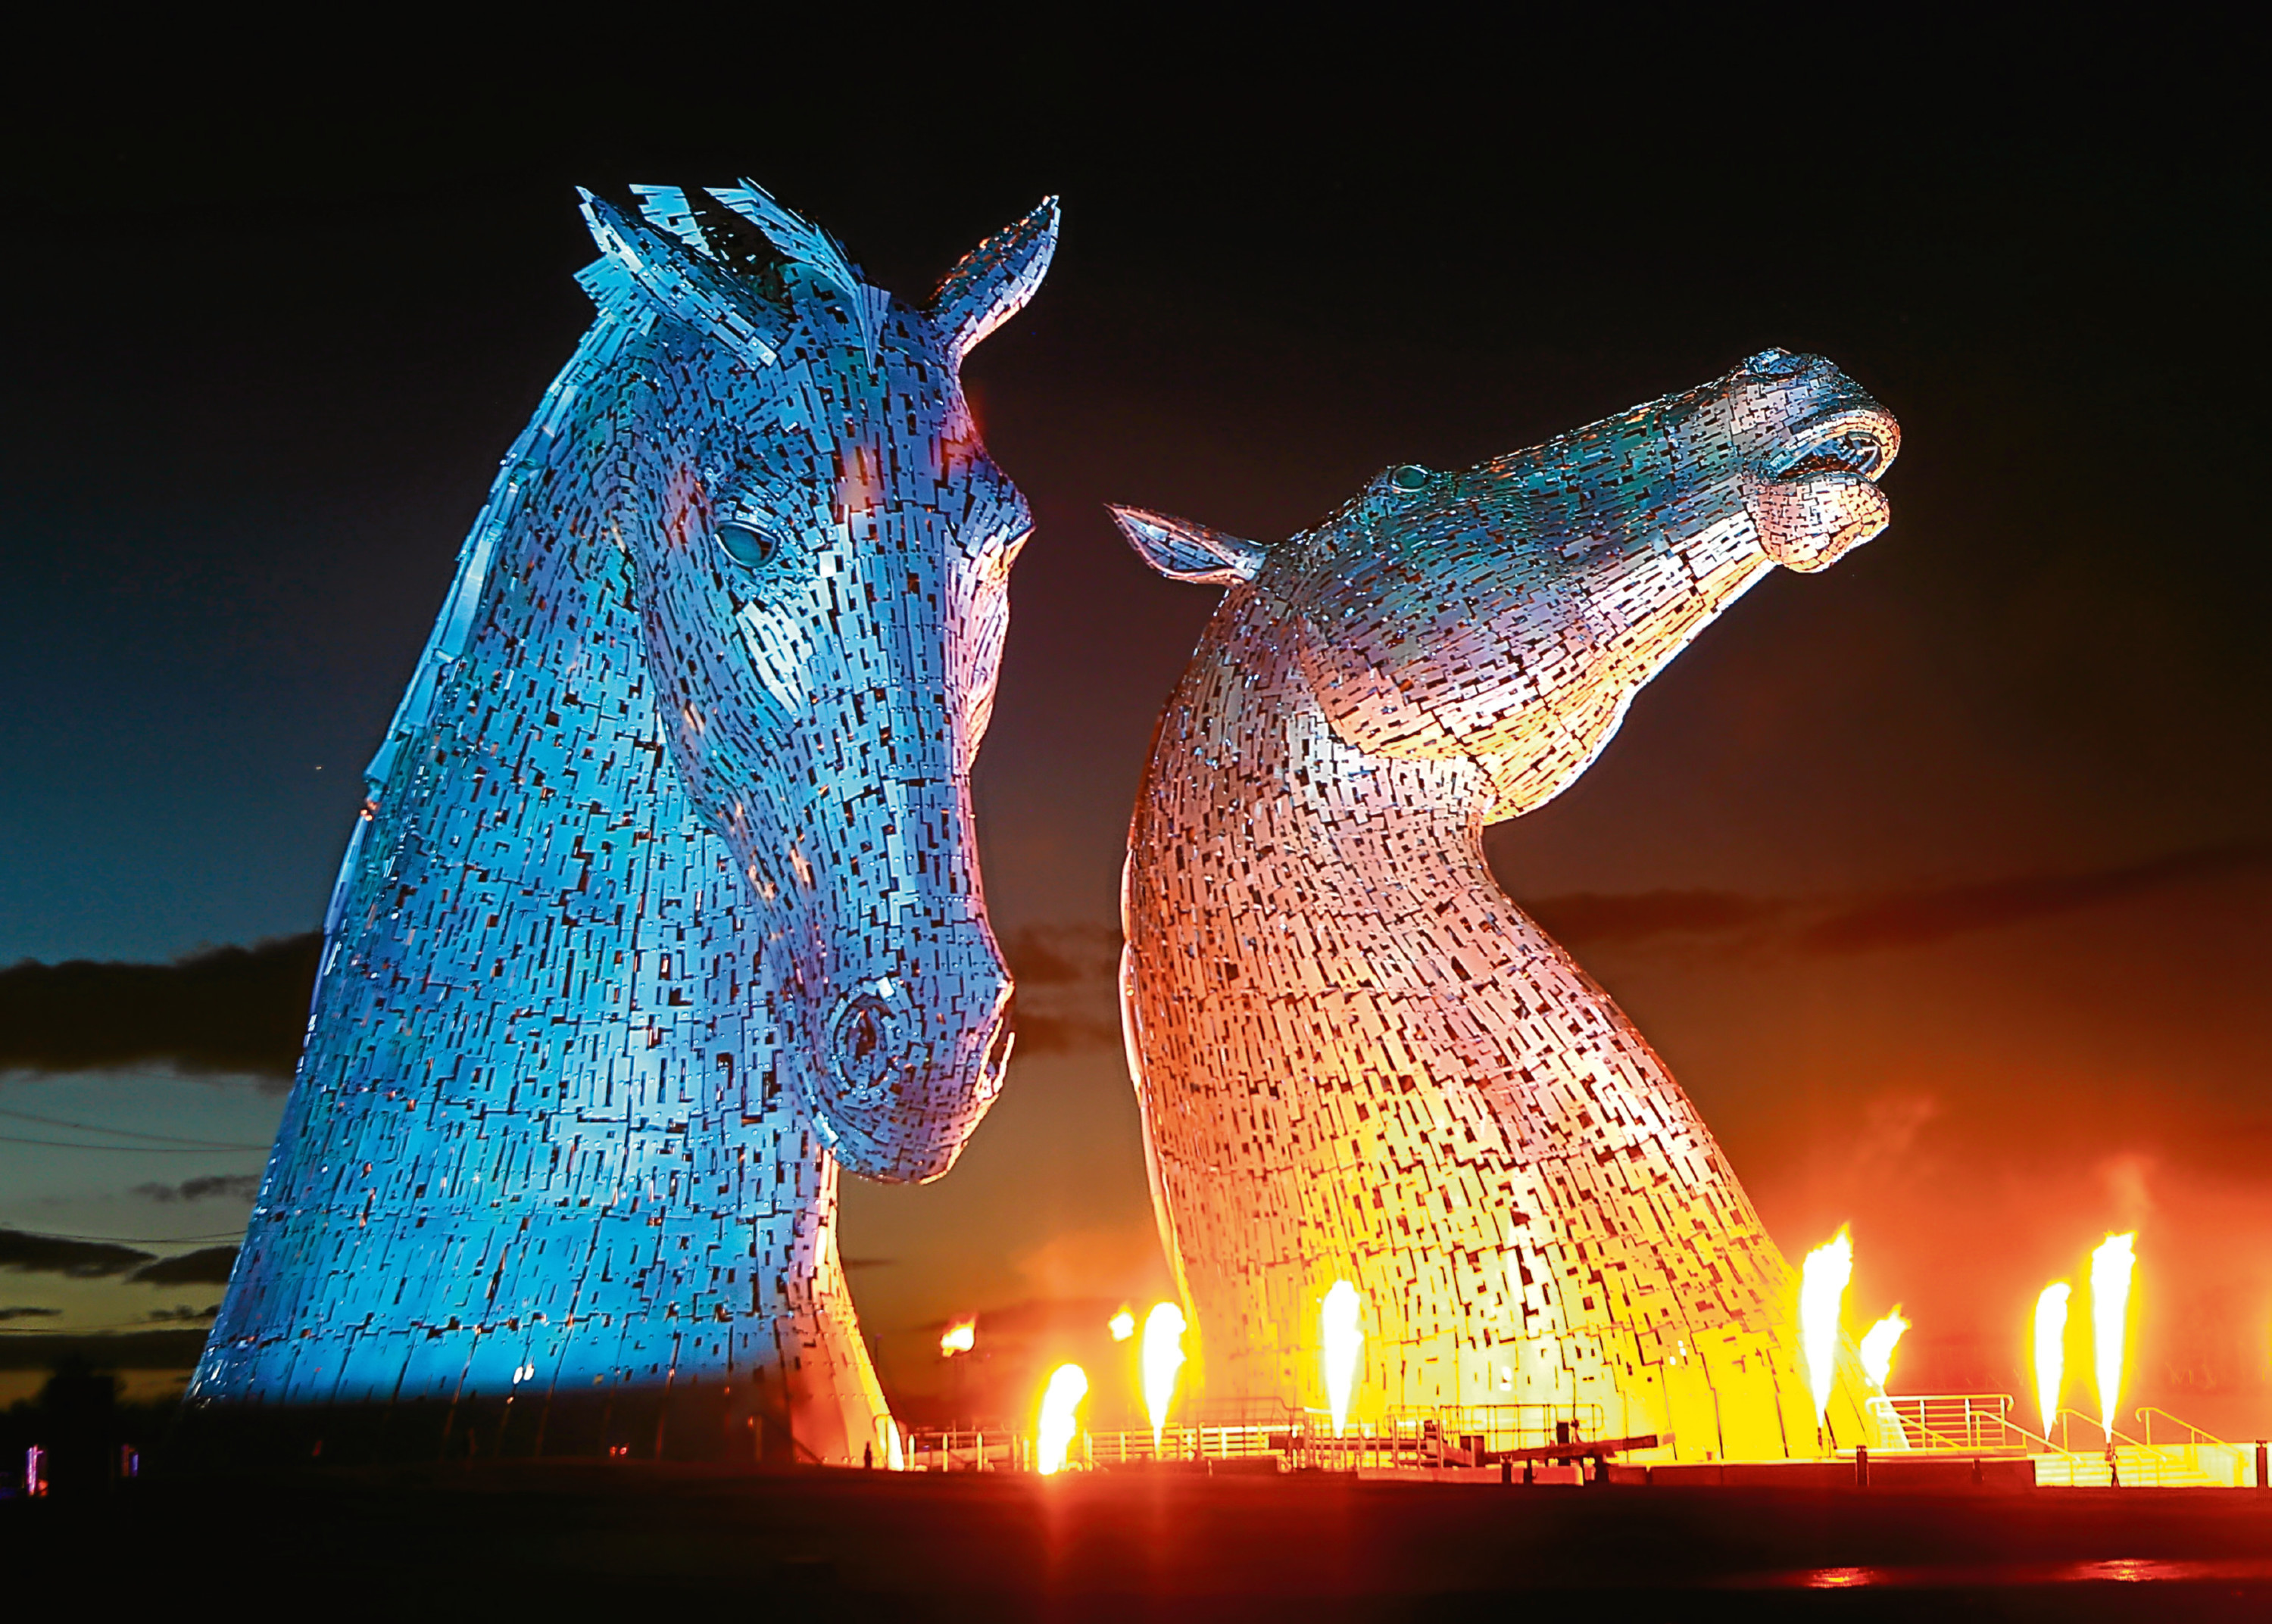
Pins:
x: 1507, y: 613
x: 820, y: 548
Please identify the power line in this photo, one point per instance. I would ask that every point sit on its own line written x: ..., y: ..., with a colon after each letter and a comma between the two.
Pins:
x: 129, y: 1133
x: 89, y: 1331
x: 49, y: 1235
x: 132, y: 1149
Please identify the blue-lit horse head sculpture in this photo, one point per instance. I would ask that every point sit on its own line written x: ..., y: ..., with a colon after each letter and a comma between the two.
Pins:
x: 823, y: 555
x: 666, y: 901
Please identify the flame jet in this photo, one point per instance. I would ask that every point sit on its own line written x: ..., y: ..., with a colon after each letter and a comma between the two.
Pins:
x: 2051, y: 1349
x: 1878, y: 1345
x: 1057, y: 1424
x: 2111, y: 1267
x: 1163, y: 1360
x: 1343, y: 1338
x: 1821, y: 1290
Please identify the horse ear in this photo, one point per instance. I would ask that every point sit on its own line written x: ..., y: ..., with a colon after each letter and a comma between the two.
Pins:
x: 1183, y: 551
x: 991, y: 283
x: 681, y: 280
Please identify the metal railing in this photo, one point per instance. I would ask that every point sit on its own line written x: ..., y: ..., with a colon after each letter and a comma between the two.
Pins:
x: 1961, y: 1423
x: 1504, y: 1427
x: 1474, y: 1435
x: 1430, y: 1437
x: 2202, y: 1461
x: 1197, y: 1444
x: 2195, y: 1436
x: 1407, y: 1437
x: 2203, y: 1456
x: 1981, y: 1424
x: 2065, y: 1421
x: 1423, y: 1438
x: 978, y: 1448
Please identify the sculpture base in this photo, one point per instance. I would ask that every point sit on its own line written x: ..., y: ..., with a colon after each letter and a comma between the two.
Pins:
x: 694, y: 1424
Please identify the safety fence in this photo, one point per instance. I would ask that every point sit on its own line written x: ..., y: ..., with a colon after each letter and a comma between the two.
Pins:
x: 1966, y: 1423
x: 1423, y: 1438
x: 2078, y: 1452
x: 1411, y: 1437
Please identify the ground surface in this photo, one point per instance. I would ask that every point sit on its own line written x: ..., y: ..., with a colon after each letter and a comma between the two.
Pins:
x: 571, y: 1539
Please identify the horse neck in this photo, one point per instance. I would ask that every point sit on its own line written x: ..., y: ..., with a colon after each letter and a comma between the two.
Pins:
x: 530, y: 727
x: 517, y: 532
x: 561, y: 632
x: 1250, y: 782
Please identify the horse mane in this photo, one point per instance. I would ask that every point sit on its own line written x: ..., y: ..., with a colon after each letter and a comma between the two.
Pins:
x: 742, y: 228
x: 734, y: 225
x: 596, y: 354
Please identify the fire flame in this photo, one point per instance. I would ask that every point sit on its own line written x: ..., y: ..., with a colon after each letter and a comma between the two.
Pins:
x: 2110, y: 1313
x: 2051, y: 1349
x: 1122, y: 1324
x: 1877, y: 1343
x: 1053, y: 1432
x: 1344, y: 1340
x: 1822, y: 1287
x: 1164, y: 1359
x: 960, y: 1337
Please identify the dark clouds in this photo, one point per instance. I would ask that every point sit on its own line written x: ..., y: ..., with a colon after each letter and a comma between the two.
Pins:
x: 1042, y: 1033
x: 1923, y: 917
x: 1591, y: 917
x: 206, y: 1266
x: 1893, y: 919
x: 1066, y: 976
x: 28, y: 1314
x: 80, y: 1260
x: 245, y: 1010
x: 90, y: 1259
x: 234, y: 1186
x: 235, y: 1009
x: 143, y: 1350
x: 1053, y: 955
x: 1066, y: 972
x: 1081, y: 957
x: 1067, y: 997
x: 222, y: 1009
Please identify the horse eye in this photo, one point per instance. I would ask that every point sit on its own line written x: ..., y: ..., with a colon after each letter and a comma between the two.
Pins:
x: 747, y: 546
x: 1411, y: 476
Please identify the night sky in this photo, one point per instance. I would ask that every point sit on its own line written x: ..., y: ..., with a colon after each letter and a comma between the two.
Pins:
x: 1940, y: 879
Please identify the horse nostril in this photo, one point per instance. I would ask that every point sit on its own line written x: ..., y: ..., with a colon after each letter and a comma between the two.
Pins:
x: 1006, y: 1031
x: 863, y: 1044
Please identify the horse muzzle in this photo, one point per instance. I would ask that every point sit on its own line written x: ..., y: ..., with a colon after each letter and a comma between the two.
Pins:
x: 1819, y: 500
x: 905, y: 1064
